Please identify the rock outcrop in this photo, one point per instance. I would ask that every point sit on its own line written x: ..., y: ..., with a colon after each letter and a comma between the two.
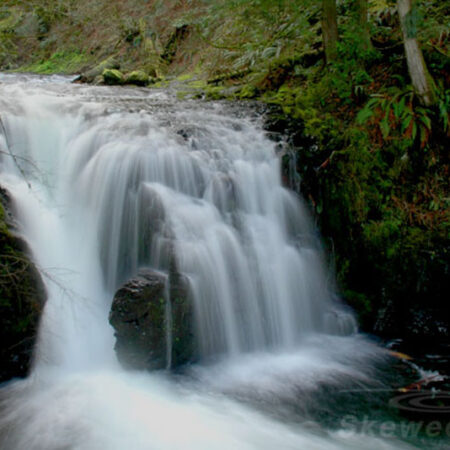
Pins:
x: 113, y: 77
x: 96, y: 72
x: 152, y: 317
x: 22, y: 297
x: 137, y: 77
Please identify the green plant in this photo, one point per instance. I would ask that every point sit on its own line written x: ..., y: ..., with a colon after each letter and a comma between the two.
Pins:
x: 396, y: 116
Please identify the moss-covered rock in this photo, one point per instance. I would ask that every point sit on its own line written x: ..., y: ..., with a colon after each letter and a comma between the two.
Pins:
x: 22, y: 297
x: 113, y: 77
x: 152, y: 323
x: 137, y: 77
x: 90, y: 75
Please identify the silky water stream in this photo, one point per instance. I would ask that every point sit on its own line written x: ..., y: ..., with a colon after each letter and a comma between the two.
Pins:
x: 277, y: 352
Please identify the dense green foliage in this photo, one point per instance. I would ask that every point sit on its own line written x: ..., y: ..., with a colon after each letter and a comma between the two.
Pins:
x: 373, y: 162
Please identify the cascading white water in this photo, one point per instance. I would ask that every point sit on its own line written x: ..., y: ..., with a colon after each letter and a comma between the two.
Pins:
x: 137, y: 190
x: 127, y: 178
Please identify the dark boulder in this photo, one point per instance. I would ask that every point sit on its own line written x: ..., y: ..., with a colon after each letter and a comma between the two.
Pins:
x: 22, y: 298
x: 95, y: 72
x: 137, y: 77
x: 152, y: 318
x: 113, y: 77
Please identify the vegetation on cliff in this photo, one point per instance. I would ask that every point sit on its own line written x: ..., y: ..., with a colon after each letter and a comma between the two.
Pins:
x: 367, y: 146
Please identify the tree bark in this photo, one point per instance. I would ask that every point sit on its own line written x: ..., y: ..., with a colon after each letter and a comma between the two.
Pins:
x: 362, y: 10
x: 329, y: 29
x: 421, y: 79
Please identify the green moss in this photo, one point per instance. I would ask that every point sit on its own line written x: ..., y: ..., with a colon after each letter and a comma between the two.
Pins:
x: 182, y: 95
x: 3, y: 227
x: 9, y: 19
x: 215, y: 93
x: 247, y: 91
x: 162, y: 83
x: 197, y: 84
x: 185, y: 77
x: 96, y: 71
x: 137, y: 77
x: 113, y: 76
x: 64, y: 62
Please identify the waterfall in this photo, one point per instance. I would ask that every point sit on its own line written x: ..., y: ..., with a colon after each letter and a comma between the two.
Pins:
x: 109, y: 180
x: 126, y: 185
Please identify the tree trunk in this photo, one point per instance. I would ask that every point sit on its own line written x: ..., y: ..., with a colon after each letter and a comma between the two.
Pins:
x: 362, y: 10
x: 329, y: 29
x: 421, y: 79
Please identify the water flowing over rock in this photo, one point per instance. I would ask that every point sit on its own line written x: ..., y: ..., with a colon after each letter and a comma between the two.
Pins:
x: 152, y: 319
x: 152, y: 183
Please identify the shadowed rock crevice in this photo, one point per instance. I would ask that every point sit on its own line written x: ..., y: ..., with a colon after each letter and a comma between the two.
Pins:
x: 22, y: 298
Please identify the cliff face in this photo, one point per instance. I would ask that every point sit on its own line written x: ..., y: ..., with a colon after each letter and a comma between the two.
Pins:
x: 22, y: 297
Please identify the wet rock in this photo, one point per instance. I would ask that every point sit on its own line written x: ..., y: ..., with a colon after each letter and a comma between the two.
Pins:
x: 137, y: 77
x: 113, y: 77
x: 152, y: 319
x: 22, y: 298
x: 91, y: 75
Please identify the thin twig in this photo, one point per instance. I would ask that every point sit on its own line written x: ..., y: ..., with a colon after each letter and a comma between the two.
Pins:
x: 32, y: 163
x: 13, y: 156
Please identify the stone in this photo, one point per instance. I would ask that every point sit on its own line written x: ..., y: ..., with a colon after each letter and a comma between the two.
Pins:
x: 91, y: 75
x: 137, y: 77
x: 112, y: 77
x: 153, y: 321
x: 22, y: 298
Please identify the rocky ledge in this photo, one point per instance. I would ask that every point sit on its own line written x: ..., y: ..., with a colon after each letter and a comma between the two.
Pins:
x: 22, y: 298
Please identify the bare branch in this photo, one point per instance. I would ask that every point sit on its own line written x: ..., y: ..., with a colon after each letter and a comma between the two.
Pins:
x: 13, y: 156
